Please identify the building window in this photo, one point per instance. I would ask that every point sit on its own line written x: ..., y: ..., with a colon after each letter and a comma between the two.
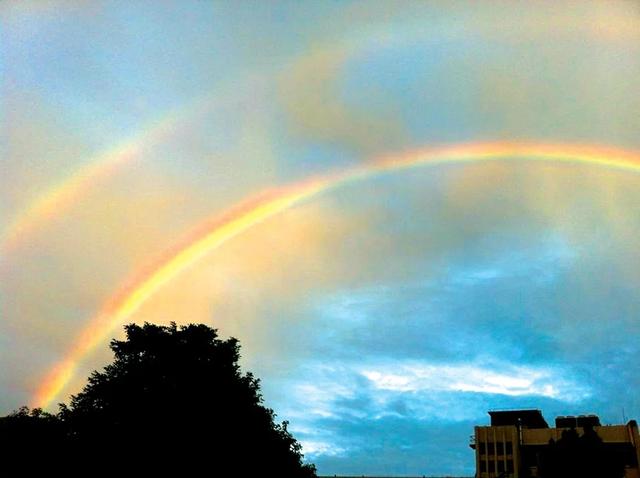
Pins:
x: 482, y: 448
x: 500, y: 466
x: 509, y: 448
x: 483, y: 466
x: 492, y: 466
x: 490, y: 447
x: 500, y: 448
x: 509, y: 466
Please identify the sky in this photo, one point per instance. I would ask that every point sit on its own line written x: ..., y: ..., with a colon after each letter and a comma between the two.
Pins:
x: 384, y: 314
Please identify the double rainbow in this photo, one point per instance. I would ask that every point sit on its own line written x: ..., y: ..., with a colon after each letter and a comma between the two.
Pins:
x: 217, y: 231
x: 54, y: 201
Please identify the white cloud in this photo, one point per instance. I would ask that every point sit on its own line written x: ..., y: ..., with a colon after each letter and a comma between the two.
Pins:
x: 315, y: 447
x: 494, y: 378
x: 320, y: 395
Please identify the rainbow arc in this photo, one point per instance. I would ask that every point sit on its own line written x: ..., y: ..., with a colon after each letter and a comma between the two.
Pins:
x: 214, y: 233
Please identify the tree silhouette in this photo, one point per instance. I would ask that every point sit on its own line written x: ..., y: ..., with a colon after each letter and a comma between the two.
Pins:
x: 27, y: 433
x: 175, y: 400
x: 581, y: 455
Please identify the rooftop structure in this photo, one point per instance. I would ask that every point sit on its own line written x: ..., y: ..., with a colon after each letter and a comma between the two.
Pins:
x: 520, y: 444
x: 524, y: 418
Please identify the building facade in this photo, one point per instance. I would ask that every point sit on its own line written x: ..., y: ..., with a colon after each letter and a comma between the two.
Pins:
x: 521, y: 444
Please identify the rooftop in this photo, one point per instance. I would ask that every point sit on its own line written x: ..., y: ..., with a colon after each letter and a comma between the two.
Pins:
x: 530, y: 418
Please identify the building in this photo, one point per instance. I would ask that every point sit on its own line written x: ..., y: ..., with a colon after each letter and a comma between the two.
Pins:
x: 520, y: 444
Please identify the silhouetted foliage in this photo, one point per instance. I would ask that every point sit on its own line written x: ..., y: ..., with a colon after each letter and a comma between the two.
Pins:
x: 174, y: 399
x: 585, y: 456
x: 29, y: 430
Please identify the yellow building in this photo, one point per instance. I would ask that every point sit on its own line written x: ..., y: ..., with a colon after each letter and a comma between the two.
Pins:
x: 520, y: 443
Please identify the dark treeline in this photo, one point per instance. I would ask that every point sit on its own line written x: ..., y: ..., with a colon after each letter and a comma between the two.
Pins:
x: 584, y: 456
x: 174, y: 400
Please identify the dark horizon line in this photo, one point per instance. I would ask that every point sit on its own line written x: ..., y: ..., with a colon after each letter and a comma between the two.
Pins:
x: 392, y: 476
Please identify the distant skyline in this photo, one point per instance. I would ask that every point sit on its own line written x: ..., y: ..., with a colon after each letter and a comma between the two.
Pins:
x: 386, y: 316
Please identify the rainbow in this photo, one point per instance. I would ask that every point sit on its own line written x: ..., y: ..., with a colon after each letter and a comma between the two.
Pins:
x: 59, y: 197
x: 215, y: 232
x: 605, y: 25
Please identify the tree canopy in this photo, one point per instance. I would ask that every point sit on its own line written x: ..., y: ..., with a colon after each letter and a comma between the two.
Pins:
x: 173, y: 399
x: 585, y: 455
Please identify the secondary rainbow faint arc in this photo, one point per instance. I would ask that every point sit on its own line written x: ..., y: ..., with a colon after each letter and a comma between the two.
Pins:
x: 59, y: 197
x: 214, y: 233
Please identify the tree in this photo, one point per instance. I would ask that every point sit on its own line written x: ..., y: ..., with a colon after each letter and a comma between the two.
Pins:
x: 24, y: 430
x: 581, y: 455
x: 175, y: 400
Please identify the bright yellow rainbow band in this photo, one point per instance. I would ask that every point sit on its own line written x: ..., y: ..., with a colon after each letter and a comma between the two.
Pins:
x: 215, y: 233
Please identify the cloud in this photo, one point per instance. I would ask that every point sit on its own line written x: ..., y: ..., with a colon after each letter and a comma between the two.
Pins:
x: 388, y: 364
x: 311, y: 94
x: 393, y: 80
x: 493, y: 378
x: 412, y: 417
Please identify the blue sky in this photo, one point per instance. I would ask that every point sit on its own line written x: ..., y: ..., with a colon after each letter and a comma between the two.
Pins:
x: 386, y: 317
